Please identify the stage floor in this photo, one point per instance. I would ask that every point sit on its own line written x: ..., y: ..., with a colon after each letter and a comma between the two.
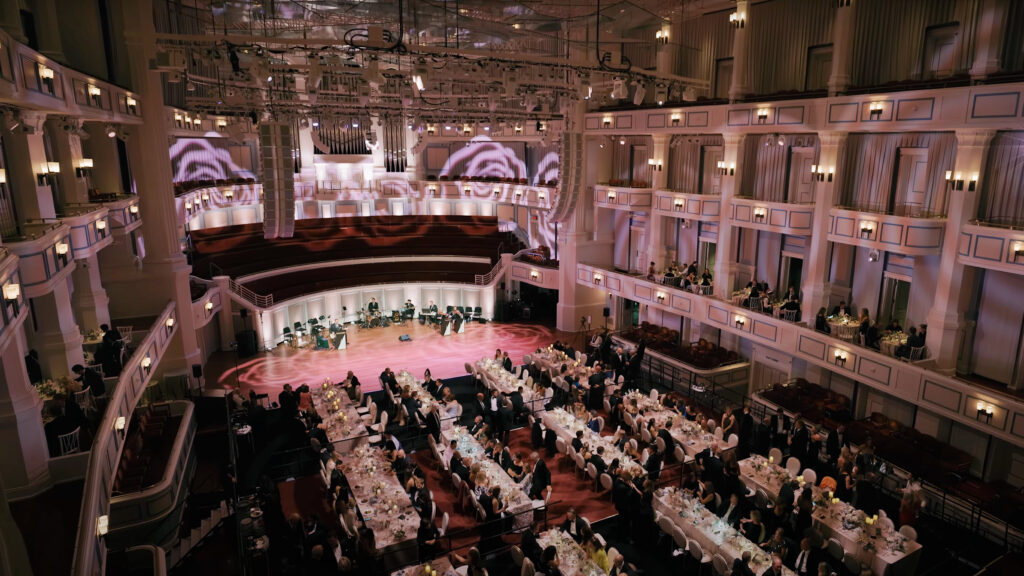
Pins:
x: 371, y: 350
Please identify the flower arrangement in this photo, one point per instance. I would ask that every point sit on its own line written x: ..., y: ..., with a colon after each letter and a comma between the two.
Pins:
x: 50, y: 389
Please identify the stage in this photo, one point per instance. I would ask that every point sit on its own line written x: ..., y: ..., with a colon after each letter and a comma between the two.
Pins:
x: 370, y: 350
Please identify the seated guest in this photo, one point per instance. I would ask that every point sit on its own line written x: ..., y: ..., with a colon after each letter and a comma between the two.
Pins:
x: 433, y: 387
x: 821, y: 322
x: 477, y: 425
x: 730, y: 512
x: 459, y: 467
x: 778, y: 543
x: 596, y: 458
x: 807, y: 559
x: 654, y: 464
x: 352, y: 386
x: 60, y: 424
x: 517, y: 468
x: 752, y: 527
x: 894, y: 325
x: 577, y: 442
x: 666, y: 436
x: 593, y: 423
x: 597, y: 554
x: 529, y: 545
x: 873, y: 335
x: 775, y: 569
x: 741, y: 565
x: 451, y: 405
x: 865, y: 321
x: 841, y: 310
x: 573, y: 525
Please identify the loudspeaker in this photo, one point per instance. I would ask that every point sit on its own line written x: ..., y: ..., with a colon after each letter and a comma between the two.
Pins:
x: 246, y: 343
x: 197, y: 370
x: 405, y: 338
x: 244, y: 312
x: 607, y: 312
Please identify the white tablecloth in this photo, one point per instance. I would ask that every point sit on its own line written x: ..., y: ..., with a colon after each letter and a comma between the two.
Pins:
x: 565, y: 426
x: 573, y: 560
x: 384, y: 505
x: 341, y: 422
x: 497, y: 378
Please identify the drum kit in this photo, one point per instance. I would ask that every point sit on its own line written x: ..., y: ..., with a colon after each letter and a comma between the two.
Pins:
x: 375, y: 319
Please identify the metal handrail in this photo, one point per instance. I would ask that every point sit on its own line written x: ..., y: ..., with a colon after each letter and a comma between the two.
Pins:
x: 259, y: 300
x: 485, y: 279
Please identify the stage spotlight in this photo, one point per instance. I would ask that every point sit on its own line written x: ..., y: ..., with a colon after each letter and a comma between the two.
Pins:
x: 640, y: 93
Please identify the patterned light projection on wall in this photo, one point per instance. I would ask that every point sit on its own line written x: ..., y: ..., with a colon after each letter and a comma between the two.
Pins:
x: 209, y: 159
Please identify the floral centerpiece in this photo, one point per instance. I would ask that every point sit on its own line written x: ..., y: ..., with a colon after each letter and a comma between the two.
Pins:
x: 50, y: 389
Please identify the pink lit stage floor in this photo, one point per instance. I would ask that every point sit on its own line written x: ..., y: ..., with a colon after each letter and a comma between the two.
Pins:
x: 371, y: 350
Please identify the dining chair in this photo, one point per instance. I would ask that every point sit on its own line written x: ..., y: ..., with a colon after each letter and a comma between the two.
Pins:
x: 517, y: 555
x: 909, y: 532
x: 793, y: 465
x: 776, y: 455
x: 699, y: 555
x: 719, y: 565
x: 810, y: 476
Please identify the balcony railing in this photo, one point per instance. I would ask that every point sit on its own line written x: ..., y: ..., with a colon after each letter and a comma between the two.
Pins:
x: 903, y: 210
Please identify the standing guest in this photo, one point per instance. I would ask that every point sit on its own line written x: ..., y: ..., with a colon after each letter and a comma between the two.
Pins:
x: 540, y: 487
x: 529, y: 545
x: 352, y: 386
x: 426, y: 538
x: 33, y: 368
x: 90, y: 379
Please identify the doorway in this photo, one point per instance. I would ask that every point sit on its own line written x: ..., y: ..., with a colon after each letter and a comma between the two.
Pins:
x: 896, y: 296
x: 706, y: 258
x: 629, y: 313
x: 801, y: 183
x: 911, y: 183
x: 792, y: 274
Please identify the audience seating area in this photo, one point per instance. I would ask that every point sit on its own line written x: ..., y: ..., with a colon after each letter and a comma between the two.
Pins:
x: 920, y: 453
x: 240, y: 250
x: 811, y: 401
x: 702, y: 354
x: 147, y: 448
x: 189, y: 185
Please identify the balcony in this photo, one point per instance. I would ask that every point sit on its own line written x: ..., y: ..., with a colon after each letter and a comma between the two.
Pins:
x: 688, y: 206
x: 993, y: 247
x: 44, y: 258
x: 89, y: 226
x: 11, y: 310
x: 152, y: 480
x: 794, y: 219
x: 915, y: 234
x: 623, y: 198
x: 124, y: 213
x: 914, y: 383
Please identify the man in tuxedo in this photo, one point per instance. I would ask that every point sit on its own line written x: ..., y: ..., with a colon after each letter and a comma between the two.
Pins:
x: 776, y: 568
x: 653, y: 466
x: 573, y: 525
x: 799, y: 440
x: 807, y: 560
x: 90, y: 379
x: 288, y: 400
x: 541, y: 483
x: 387, y: 378
x: 595, y: 398
x: 730, y: 511
x: 746, y: 431
x: 529, y: 545
x: 478, y: 423
x: 480, y: 406
x: 518, y: 405
x: 577, y: 442
x: 503, y: 421
x: 842, y: 309
x: 712, y: 465
x: 433, y: 422
x: 459, y: 467
x: 506, y: 362
x: 836, y: 441
x: 596, y: 458
x: 779, y: 429
x: 666, y: 436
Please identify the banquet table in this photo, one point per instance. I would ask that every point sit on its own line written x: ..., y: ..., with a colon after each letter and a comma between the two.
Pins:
x: 441, y: 566
x: 383, y: 504
x: 573, y: 560
x: 891, y: 341
x: 420, y: 393
x: 686, y: 433
x: 341, y: 422
x: 714, y: 535
x: 495, y: 377
x: 886, y: 555
x: 565, y: 426
x: 844, y: 327
x: 517, y: 499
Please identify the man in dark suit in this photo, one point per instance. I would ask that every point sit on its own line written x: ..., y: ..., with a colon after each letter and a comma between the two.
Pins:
x: 287, y: 399
x: 775, y: 569
x: 712, y: 465
x: 731, y: 510
x: 799, y: 440
x: 478, y: 423
x: 503, y: 422
x: 32, y: 366
x: 761, y: 440
x: 506, y: 362
x: 573, y: 525
x: 778, y: 429
x: 787, y: 494
x: 595, y: 398
x: 666, y: 436
x: 459, y: 467
x: 746, y: 432
x: 518, y: 405
x: 842, y: 309
x: 541, y: 482
x: 836, y: 441
x: 480, y: 406
x: 577, y: 442
x: 741, y: 566
x: 433, y: 422
x: 529, y: 545
x: 807, y: 559
x: 596, y: 458
x: 90, y: 380
x: 653, y: 466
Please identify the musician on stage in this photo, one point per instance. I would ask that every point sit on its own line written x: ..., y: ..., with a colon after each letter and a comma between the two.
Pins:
x: 457, y: 320
x: 409, y: 307
x: 433, y: 311
x: 373, y: 307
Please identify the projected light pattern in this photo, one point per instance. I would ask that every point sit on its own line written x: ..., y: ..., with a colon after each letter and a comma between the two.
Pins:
x: 547, y: 168
x: 204, y: 159
x: 483, y: 158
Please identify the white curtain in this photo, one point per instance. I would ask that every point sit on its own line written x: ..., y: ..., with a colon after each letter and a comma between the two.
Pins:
x: 770, y: 177
x: 685, y: 161
x: 868, y: 161
x: 1003, y: 190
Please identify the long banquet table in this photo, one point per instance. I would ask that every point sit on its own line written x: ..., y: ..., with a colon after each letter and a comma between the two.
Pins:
x: 686, y: 433
x: 495, y: 377
x: 702, y: 525
x: 383, y: 504
x: 565, y: 426
x: 885, y: 553
x: 573, y: 560
x: 441, y: 566
x: 341, y: 422
x: 513, y: 494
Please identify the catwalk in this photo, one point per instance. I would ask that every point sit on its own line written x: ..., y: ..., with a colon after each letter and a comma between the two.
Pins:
x: 371, y: 350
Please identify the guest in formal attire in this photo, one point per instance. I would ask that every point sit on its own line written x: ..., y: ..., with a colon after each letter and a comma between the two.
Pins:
x: 775, y: 569
x: 821, y: 322
x: 730, y: 512
x: 753, y: 528
x: 778, y: 544
x: 529, y: 545
x: 540, y: 486
x: 741, y: 565
x: 807, y: 559
x: 91, y: 380
x: 841, y: 310
x: 506, y: 362
x: 426, y: 538
x: 573, y: 525
x: 33, y: 368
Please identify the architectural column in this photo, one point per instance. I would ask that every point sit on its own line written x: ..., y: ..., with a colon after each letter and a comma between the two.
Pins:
x: 58, y: 338
x: 67, y: 150
x: 10, y: 21
x: 725, y: 251
x: 989, y: 36
x: 25, y: 158
x: 48, y: 29
x: 656, y: 248
x: 224, y: 315
x: 26, y: 469
x: 815, y: 286
x: 946, y: 316
x: 739, y: 87
x: 134, y: 293
x: 89, y: 300
x: 412, y: 161
x: 842, y: 49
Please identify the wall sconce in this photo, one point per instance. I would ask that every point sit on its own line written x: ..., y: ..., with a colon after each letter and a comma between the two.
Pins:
x: 496, y: 192
x: 84, y: 167
x: 94, y: 94
x: 542, y: 126
x: 740, y: 321
x: 597, y: 278
x: 760, y: 213
x: 611, y: 195
x: 12, y: 292
x: 661, y: 36
x: 46, y: 76
x: 119, y: 423
x: 229, y: 195
x: 726, y: 169
x: 197, y: 123
x: 467, y: 129
x: 661, y: 297
x: 606, y: 122
x: 102, y: 525
x: 679, y: 204
x: 432, y: 190
x: 866, y: 228
x: 222, y: 124
x: 133, y: 209
x: 3, y: 176
x: 762, y: 115
x: 818, y: 172
x: 541, y: 195
x: 957, y: 181
x: 101, y: 228
x: 147, y: 363
x: 738, y: 19
x: 840, y: 357
x: 467, y: 189
x: 655, y: 165
x: 208, y: 305
x: 519, y: 194
x: 534, y: 275
x: 46, y: 171
x: 875, y: 110
x: 62, y: 250
x: 169, y: 324
x: 676, y: 117
x: 984, y: 411
x: 519, y: 129
x: 431, y: 129
x: 205, y: 197
x: 130, y: 104
x: 177, y: 119
x: 188, y: 206
x: 1017, y: 249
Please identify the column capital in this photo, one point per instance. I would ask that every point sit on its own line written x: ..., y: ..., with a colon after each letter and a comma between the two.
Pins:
x: 32, y: 120
x: 831, y: 138
x: 973, y: 138
x: 733, y: 138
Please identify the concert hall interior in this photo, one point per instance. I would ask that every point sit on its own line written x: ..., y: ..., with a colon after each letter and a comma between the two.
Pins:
x: 511, y: 287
